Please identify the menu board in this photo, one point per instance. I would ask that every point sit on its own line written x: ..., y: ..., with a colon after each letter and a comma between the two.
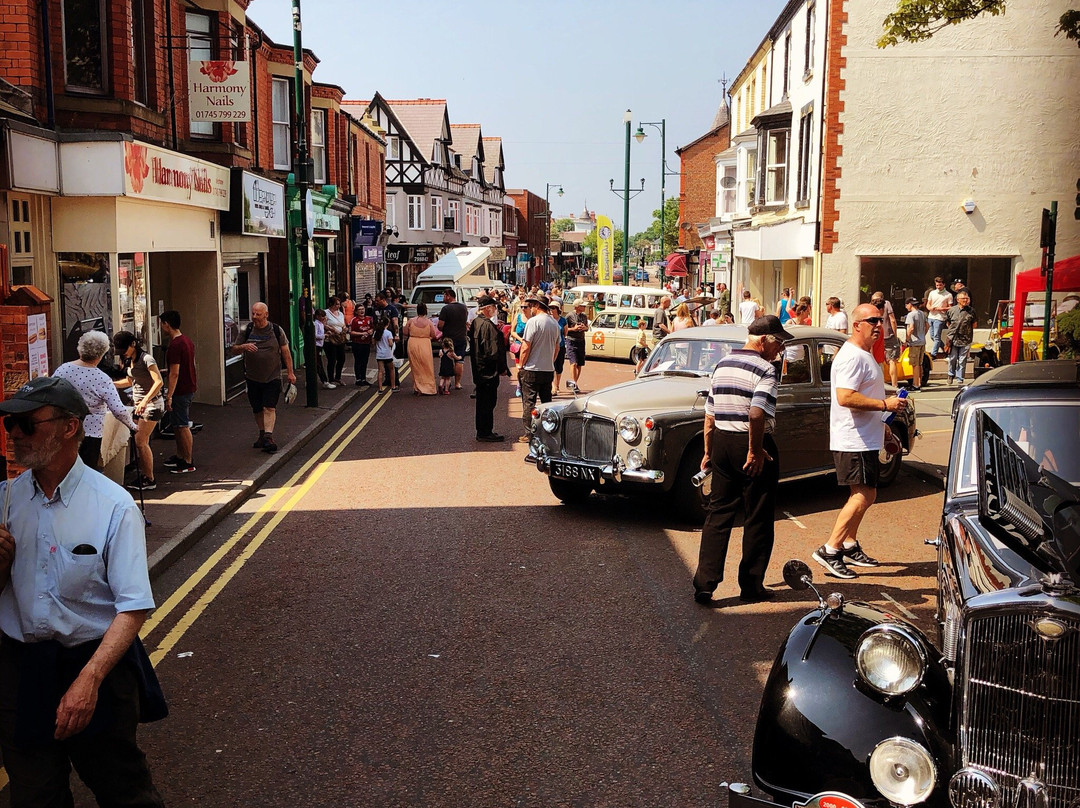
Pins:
x: 38, y: 339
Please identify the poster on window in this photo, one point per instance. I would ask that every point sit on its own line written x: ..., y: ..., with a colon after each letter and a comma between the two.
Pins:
x: 38, y: 338
x: 219, y: 91
x: 86, y: 298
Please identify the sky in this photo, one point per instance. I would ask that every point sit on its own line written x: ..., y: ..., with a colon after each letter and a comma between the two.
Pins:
x: 552, y: 78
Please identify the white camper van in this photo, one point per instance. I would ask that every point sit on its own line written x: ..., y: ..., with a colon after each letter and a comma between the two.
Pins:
x: 463, y: 269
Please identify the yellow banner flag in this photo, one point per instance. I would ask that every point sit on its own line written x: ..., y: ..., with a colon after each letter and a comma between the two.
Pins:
x: 605, y: 250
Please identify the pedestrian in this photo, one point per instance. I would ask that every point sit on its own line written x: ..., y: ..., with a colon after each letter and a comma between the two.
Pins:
x: 99, y: 393
x: 361, y: 329
x: 144, y: 379
x: 785, y: 307
x: 454, y: 324
x: 421, y: 332
x: 892, y: 339
x: 641, y: 347
x: 517, y: 333
x: 802, y: 314
x: 348, y: 307
x: 723, y: 301
x: 539, y: 346
x: 265, y: 349
x: 662, y: 318
x: 915, y: 339
x: 75, y: 680
x: 555, y: 310
x: 384, y: 354
x: 488, y: 364
x: 683, y: 318
x: 385, y: 308
x: 337, y: 335
x: 960, y: 324
x: 740, y: 416
x: 748, y: 309
x: 938, y: 302
x: 180, y: 359
x: 448, y: 361
x: 577, y: 323
x: 320, y: 349
x: 837, y: 319
x: 857, y: 434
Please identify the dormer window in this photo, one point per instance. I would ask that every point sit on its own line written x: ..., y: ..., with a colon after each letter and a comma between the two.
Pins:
x: 393, y: 148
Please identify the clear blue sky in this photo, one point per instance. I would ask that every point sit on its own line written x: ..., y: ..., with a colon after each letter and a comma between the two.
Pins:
x: 551, y: 78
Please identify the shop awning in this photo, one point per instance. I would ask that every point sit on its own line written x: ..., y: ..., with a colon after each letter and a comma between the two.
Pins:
x: 1066, y: 279
x: 676, y: 265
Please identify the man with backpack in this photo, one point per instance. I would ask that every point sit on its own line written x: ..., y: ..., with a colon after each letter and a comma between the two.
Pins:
x: 265, y: 348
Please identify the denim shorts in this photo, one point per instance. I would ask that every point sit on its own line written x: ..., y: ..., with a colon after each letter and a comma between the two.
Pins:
x: 181, y: 410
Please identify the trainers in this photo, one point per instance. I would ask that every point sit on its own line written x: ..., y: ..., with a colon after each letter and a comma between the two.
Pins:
x: 573, y: 386
x: 259, y: 442
x: 833, y: 563
x: 329, y: 386
x: 172, y: 462
x: 183, y: 468
x: 269, y: 446
x: 702, y: 597
x: 856, y: 556
x: 142, y: 483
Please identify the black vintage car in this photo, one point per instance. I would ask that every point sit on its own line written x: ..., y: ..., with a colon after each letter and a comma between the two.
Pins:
x: 862, y: 709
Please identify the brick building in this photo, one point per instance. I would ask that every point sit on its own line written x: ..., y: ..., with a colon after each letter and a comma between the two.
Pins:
x: 697, y: 192
x: 532, y: 223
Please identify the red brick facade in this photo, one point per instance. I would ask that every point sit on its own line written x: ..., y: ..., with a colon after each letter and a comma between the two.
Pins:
x: 834, y: 106
x: 697, y: 183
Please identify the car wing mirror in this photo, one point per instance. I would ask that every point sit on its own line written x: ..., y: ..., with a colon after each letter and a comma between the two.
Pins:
x: 797, y: 575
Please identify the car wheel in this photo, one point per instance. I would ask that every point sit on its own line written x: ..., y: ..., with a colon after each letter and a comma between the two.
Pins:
x: 690, y: 500
x: 888, y: 466
x: 569, y: 493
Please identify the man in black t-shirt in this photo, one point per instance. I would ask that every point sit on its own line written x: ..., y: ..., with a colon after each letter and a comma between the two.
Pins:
x: 454, y: 322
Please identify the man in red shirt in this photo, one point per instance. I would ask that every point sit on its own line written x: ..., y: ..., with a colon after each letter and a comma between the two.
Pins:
x: 180, y: 357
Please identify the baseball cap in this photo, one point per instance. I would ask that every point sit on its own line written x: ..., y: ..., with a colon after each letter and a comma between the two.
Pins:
x: 914, y: 301
x: 45, y: 391
x: 485, y: 300
x: 769, y: 325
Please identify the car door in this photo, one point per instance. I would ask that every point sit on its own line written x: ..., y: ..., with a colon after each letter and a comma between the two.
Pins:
x: 600, y: 338
x: 799, y: 410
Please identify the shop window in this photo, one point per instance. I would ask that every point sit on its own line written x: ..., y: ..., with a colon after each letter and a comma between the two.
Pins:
x: 281, y: 115
x: 131, y: 286
x: 86, y: 297
x: 318, y: 145
x: 416, y: 213
x: 200, y: 49
x: 776, y: 169
x: 84, y: 46
x: 455, y: 211
x: 22, y: 247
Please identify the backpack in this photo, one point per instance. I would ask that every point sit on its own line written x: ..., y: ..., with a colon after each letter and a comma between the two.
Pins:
x: 279, y: 335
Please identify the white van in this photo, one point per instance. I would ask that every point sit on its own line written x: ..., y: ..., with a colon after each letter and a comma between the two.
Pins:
x: 463, y: 269
x: 617, y: 298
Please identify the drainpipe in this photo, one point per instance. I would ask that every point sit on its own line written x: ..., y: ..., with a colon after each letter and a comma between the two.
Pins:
x: 172, y: 76
x: 46, y: 39
x: 821, y: 135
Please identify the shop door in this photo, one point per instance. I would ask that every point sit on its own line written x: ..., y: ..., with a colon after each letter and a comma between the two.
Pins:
x: 244, y: 284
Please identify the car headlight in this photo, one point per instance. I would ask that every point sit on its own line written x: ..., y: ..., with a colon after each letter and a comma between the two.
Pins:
x: 902, y: 771
x: 550, y: 421
x: 634, y: 460
x: 629, y: 429
x: 890, y: 660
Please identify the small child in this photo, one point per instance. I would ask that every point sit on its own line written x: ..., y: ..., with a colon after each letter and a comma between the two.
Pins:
x: 447, y: 358
x: 384, y: 353
x: 320, y: 339
x: 642, y: 346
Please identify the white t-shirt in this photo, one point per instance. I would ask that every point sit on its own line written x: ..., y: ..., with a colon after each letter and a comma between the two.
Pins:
x: 936, y: 298
x: 838, y: 321
x: 748, y: 312
x: 856, y: 430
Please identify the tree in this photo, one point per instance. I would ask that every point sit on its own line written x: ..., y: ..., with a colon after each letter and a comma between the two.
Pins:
x: 671, y: 227
x: 561, y: 226
x: 590, y: 242
x: 917, y: 20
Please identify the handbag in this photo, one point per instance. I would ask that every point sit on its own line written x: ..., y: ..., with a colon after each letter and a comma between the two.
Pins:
x: 335, y: 337
x: 515, y: 347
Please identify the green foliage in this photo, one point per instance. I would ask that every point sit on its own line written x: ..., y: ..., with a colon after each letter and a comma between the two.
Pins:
x: 590, y: 242
x: 671, y: 227
x: 918, y: 20
x: 1068, y: 328
x: 561, y: 226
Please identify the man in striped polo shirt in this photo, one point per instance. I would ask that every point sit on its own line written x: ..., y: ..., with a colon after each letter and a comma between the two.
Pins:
x: 740, y: 413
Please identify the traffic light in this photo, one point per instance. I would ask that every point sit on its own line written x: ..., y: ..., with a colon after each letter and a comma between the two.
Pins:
x: 1076, y: 211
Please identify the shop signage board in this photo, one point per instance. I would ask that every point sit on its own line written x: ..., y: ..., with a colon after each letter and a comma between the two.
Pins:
x: 264, y: 206
x: 498, y: 253
x: 219, y: 91
x: 397, y: 254
x: 423, y: 255
x: 373, y: 255
x: 166, y: 176
x: 326, y: 221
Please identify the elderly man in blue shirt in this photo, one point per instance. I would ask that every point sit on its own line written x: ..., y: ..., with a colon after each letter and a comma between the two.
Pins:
x: 74, y: 679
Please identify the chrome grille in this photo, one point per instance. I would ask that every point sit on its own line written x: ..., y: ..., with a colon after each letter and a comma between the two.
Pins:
x: 589, y: 438
x: 1021, y: 710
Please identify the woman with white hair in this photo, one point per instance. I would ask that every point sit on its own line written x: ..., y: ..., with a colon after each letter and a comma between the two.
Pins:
x: 99, y: 392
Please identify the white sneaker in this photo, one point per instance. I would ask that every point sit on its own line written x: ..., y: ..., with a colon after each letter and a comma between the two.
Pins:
x: 329, y: 386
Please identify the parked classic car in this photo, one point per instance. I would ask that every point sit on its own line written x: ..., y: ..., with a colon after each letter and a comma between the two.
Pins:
x: 646, y: 434
x: 863, y: 709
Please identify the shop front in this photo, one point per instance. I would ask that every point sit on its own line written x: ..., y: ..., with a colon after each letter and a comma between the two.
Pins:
x: 136, y: 232
x: 404, y: 262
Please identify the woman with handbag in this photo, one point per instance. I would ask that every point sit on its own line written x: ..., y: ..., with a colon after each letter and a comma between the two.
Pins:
x: 336, y: 337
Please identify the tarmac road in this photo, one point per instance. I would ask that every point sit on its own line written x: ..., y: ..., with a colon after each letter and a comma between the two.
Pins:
x: 405, y: 617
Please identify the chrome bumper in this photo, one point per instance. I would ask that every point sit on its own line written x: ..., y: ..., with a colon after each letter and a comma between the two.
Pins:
x: 611, y: 471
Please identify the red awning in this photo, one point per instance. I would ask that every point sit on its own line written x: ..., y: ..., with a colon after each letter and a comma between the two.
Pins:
x: 1066, y: 279
x: 676, y: 265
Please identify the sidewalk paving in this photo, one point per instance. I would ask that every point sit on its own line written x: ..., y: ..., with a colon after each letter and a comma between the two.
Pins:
x: 184, y: 507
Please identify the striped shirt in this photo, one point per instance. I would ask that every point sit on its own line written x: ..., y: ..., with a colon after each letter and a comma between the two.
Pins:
x: 741, y: 380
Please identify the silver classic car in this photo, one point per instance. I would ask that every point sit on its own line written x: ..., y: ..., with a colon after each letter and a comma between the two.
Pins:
x: 646, y: 434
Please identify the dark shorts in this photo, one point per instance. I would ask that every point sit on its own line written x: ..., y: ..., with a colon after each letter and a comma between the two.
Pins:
x: 459, y: 349
x: 560, y: 359
x: 263, y: 395
x: 154, y: 410
x: 857, y: 468
x: 892, y: 349
x: 575, y: 353
x: 181, y: 410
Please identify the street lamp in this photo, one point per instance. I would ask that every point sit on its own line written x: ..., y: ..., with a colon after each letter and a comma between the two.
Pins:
x: 626, y: 194
x: 547, y: 208
x: 640, y: 136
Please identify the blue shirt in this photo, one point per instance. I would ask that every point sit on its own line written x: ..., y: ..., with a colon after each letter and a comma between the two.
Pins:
x: 56, y: 594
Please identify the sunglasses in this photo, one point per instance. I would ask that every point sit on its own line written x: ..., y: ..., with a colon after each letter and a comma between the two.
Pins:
x: 26, y: 424
x: 872, y: 320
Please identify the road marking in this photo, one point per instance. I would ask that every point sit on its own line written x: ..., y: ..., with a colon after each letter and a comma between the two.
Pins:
x: 907, y: 612
x: 796, y: 521
x: 192, y: 614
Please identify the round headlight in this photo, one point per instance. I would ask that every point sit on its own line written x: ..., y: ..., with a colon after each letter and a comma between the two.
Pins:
x: 634, y: 460
x: 550, y: 420
x: 971, y: 788
x: 890, y: 660
x: 902, y: 771
x: 629, y: 429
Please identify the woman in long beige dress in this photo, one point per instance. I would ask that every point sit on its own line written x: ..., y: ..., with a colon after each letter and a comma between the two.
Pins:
x: 420, y: 332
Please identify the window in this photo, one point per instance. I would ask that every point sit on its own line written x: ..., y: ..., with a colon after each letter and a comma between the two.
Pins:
x: 436, y: 213
x: 806, y: 130
x: 200, y: 48
x: 318, y: 145
x: 796, y: 367
x: 455, y: 211
x: 416, y: 212
x: 391, y: 217
x: 826, y: 354
x: 604, y: 321
x: 750, y: 197
x: 139, y: 37
x: 472, y: 220
x: 776, y: 152
x: 84, y: 45
x: 282, y: 118
x: 494, y: 223
x: 727, y: 191
x: 811, y: 24
x: 22, y: 248
x: 753, y: 96
x: 393, y: 148
x: 787, y: 62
